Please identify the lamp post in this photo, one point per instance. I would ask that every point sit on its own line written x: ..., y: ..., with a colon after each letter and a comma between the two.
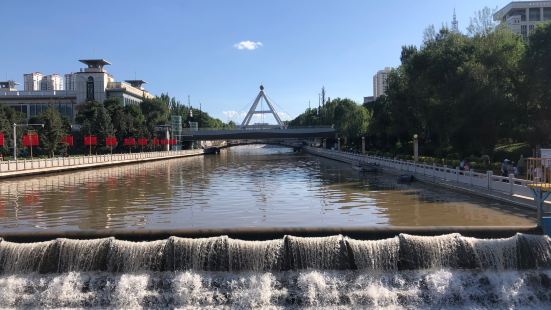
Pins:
x: 15, y: 136
x: 363, y: 145
x: 415, y: 147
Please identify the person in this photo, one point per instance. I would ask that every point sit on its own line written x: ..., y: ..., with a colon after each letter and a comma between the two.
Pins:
x: 462, y: 165
x: 515, y: 170
x: 466, y: 166
x: 505, y: 168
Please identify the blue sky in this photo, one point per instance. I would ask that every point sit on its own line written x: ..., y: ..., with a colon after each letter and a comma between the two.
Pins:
x: 192, y: 47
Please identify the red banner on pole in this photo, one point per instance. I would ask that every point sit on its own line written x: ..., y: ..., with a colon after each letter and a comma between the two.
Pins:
x: 69, y: 140
x: 142, y: 141
x: 172, y: 142
x: 129, y: 141
x: 30, y: 139
x: 110, y: 141
x: 90, y: 140
x: 164, y: 141
x: 156, y: 141
x: 1, y: 139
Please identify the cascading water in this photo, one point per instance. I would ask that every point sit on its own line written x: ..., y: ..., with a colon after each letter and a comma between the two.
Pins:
x: 402, y: 272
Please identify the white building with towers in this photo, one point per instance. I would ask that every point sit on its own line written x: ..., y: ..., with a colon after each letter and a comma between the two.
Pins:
x: 92, y: 83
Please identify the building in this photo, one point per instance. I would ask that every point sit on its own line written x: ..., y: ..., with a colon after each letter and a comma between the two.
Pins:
x: 380, y: 84
x: 32, y: 81
x: 92, y: 83
x: 69, y: 81
x: 369, y: 99
x: 523, y: 16
x: 51, y: 82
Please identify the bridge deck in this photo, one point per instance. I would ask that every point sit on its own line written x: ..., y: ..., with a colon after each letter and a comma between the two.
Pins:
x: 236, y: 134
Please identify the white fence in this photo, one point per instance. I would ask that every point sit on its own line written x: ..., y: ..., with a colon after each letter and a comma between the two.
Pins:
x: 44, y: 163
x: 484, y: 181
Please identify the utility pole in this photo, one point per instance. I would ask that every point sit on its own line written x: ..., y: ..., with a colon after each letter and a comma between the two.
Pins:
x: 323, y: 95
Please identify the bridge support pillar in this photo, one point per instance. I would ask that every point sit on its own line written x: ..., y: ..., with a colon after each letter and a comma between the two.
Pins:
x: 363, y: 145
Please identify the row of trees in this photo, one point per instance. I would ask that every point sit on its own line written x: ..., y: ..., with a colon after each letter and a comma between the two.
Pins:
x: 110, y: 118
x: 462, y: 94
x: 350, y: 119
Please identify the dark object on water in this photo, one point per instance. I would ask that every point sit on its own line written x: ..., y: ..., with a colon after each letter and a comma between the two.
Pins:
x: 367, y: 167
x: 212, y: 150
x: 406, y: 178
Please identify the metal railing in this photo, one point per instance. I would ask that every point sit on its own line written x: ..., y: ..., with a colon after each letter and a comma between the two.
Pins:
x: 34, y: 164
x: 509, y: 185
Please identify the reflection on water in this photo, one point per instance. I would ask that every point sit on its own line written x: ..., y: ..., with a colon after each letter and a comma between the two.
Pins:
x: 247, y: 186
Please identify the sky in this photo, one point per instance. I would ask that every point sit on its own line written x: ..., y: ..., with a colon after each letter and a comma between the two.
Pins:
x: 219, y: 52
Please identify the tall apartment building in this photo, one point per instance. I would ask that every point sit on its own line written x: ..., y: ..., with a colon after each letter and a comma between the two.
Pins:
x: 523, y: 16
x: 70, y: 81
x: 51, y: 82
x: 380, y: 82
x: 32, y: 81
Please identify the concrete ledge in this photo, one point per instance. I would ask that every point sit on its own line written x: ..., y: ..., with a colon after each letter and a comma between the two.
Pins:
x: 21, y: 173
x: 364, y: 233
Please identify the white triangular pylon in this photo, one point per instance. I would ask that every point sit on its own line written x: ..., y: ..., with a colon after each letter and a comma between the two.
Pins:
x: 253, y: 110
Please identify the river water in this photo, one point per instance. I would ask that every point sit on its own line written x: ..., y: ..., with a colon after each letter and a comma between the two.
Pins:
x: 246, y: 186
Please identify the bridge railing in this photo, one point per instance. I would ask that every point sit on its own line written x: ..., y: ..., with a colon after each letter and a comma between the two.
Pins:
x: 506, y: 185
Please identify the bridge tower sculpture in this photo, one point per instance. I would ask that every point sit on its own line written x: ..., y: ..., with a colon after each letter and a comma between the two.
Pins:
x: 253, y: 111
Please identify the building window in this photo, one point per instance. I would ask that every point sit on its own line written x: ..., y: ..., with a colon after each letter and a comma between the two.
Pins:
x: 534, y: 14
x: 90, y: 89
x: 546, y: 13
x: 519, y: 12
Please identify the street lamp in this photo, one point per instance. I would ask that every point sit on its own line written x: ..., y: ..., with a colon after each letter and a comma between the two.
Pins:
x: 415, y: 147
x: 15, y: 136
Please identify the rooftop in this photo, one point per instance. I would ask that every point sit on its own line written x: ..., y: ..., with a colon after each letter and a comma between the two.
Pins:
x: 136, y: 83
x: 520, y: 5
x: 95, y: 63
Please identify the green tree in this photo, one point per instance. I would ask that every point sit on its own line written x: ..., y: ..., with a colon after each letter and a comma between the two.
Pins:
x: 8, y: 117
x: 94, y: 119
x: 537, y: 90
x: 52, y: 133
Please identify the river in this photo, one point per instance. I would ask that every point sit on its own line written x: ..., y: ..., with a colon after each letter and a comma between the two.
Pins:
x: 245, y: 186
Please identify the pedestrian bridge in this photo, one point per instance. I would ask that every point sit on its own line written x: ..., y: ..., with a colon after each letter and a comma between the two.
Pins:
x: 210, y: 134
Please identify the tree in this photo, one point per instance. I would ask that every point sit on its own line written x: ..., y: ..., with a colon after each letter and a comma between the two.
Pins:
x: 8, y: 117
x: 52, y: 133
x: 95, y: 120
x: 537, y: 95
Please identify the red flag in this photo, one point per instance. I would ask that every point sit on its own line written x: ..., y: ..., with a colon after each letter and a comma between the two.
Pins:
x: 69, y: 140
x: 142, y: 141
x: 90, y: 140
x: 156, y: 141
x: 164, y: 141
x: 129, y: 141
x: 30, y: 139
x: 1, y: 139
x: 110, y: 141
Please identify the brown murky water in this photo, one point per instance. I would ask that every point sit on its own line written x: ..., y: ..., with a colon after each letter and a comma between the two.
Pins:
x: 247, y: 186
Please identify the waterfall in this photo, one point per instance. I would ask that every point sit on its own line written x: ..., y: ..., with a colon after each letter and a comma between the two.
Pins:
x: 293, y: 272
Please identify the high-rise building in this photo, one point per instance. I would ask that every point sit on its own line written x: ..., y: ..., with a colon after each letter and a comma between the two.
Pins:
x: 69, y: 81
x: 32, y: 81
x: 380, y: 84
x: 523, y: 16
x: 51, y: 82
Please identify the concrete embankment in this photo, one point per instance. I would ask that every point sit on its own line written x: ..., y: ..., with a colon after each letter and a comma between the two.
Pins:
x: 11, y: 169
x: 505, y: 189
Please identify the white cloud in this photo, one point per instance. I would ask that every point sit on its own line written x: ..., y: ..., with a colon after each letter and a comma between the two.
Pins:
x: 233, y: 114
x: 247, y: 45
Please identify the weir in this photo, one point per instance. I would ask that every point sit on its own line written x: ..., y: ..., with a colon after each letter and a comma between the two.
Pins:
x: 403, y: 252
x: 405, y: 271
